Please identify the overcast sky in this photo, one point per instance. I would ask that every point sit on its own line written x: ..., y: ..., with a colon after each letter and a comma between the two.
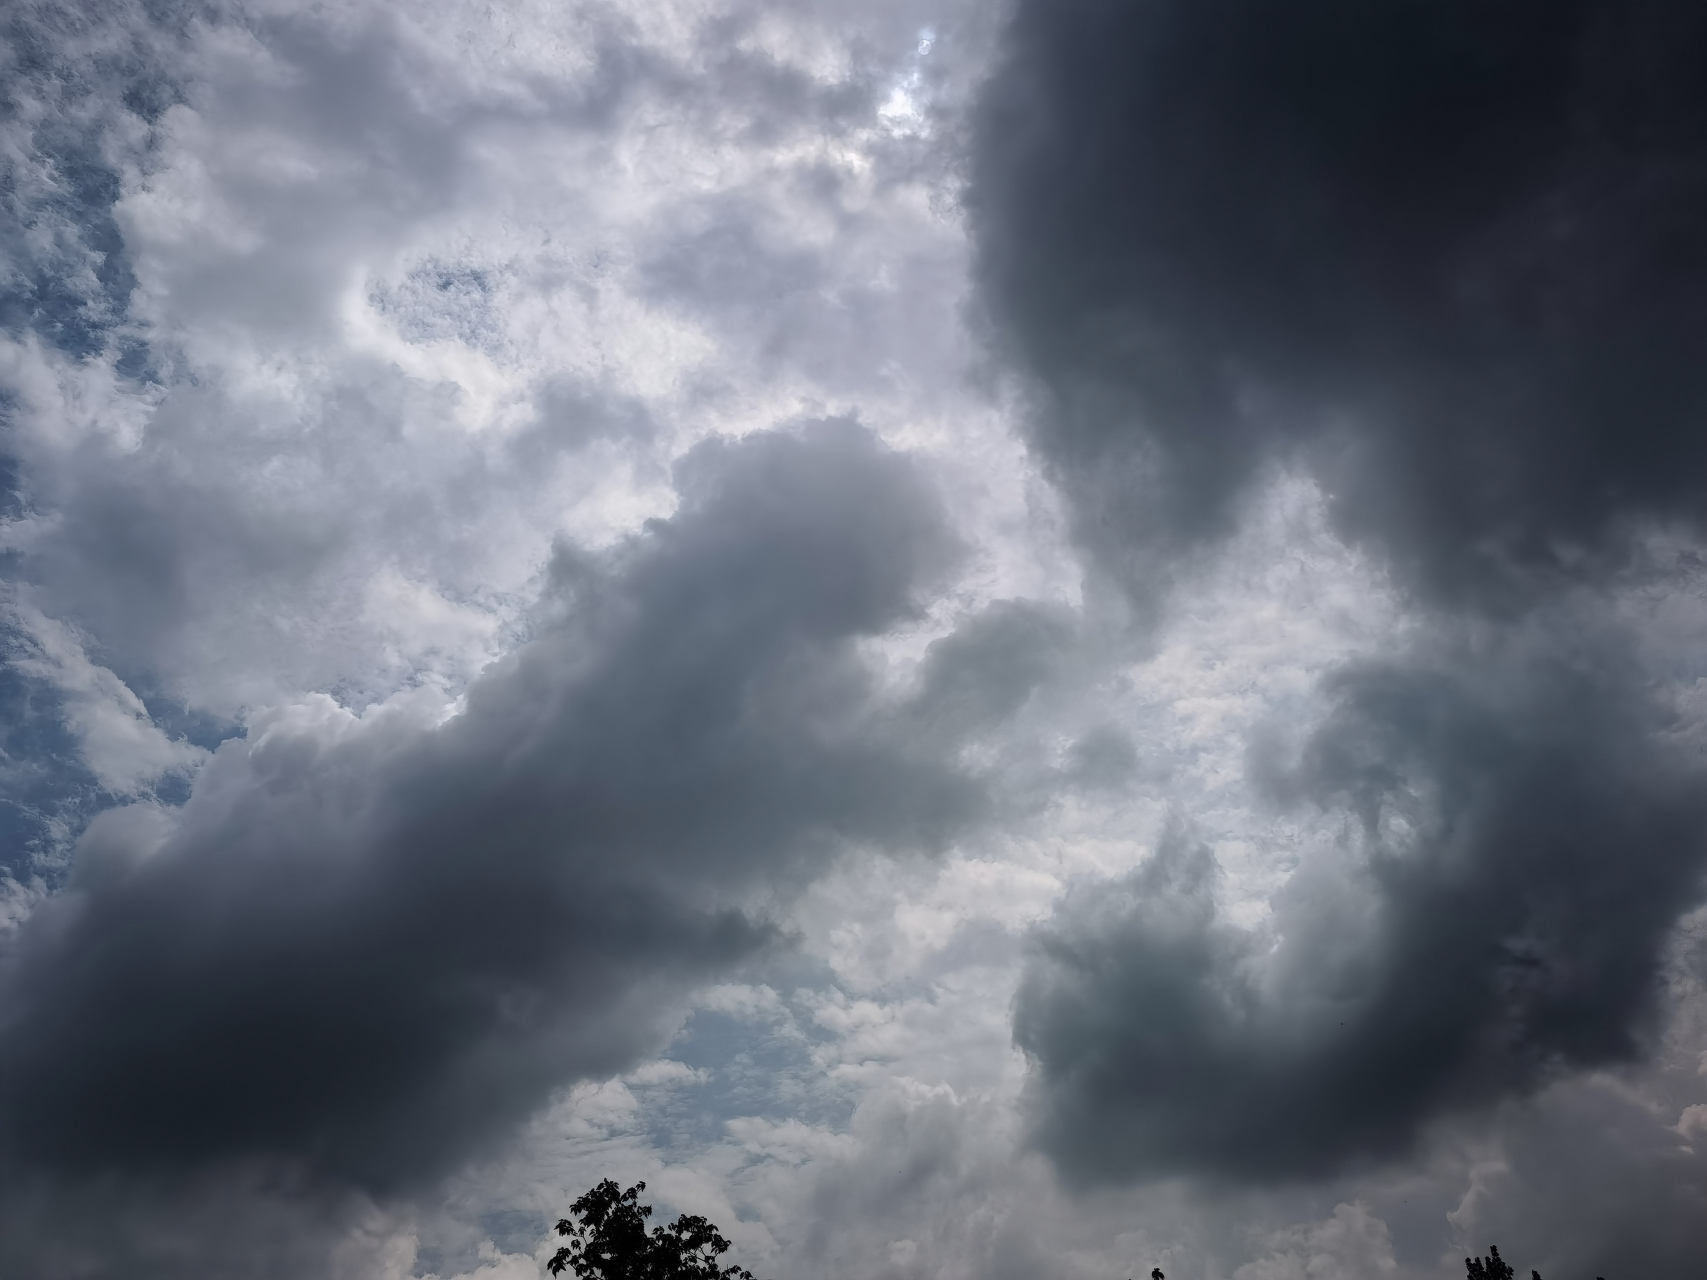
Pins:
x: 983, y: 641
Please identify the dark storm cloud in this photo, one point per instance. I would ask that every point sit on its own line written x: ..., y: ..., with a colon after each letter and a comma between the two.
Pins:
x: 364, y: 950
x: 1449, y: 256
x: 1452, y: 254
x: 1518, y: 841
x: 978, y: 676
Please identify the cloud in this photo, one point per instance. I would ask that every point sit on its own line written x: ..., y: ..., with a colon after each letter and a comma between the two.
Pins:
x: 1352, y: 1243
x: 979, y: 675
x: 1451, y: 256
x: 356, y: 315
x: 1516, y: 840
x: 365, y: 947
x: 377, y: 390
x: 410, y: 295
x: 1447, y: 260
x: 118, y: 741
x: 76, y: 84
x: 1594, y: 1181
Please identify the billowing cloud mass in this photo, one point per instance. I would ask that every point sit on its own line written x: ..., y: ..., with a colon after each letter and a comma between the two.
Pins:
x: 982, y: 641
x: 1518, y: 842
x: 397, y: 935
x: 1450, y: 255
x: 1451, y: 261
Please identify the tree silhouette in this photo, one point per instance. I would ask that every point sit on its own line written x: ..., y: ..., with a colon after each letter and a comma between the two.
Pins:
x: 610, y: 1242
x: 1494, y: 1267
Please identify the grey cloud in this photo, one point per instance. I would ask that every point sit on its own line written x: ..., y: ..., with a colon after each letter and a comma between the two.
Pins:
x: 46, y: 790
x: 979, y: 675
x: 231, y: 557
x: 146, y: 548
x: 365, y: 951
x: 787, y: 303
x: 1450, y: 258
x: 1451, y: 255
x: 249, y: 1221
x: 573, y: 417
x: 1519, y: 840
x: 144, y: 543
x: 70, y: 82
x: 1595, y: 1180
x: 725, y: 266
x: 1103, y: 758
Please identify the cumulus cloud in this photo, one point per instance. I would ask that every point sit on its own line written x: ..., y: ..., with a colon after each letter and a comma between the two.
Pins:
x: 1445, y: 259
x: 123, y: 747
x: 1450, y: 255
x: 1353, y: 1243
x: 457, y: 746
x: 365, y: 945
x: 1595, y: 1181
x: 1517, y: 838
x: 408, y: 297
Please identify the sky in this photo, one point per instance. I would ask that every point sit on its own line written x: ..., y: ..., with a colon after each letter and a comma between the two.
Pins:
x: 981, y: 640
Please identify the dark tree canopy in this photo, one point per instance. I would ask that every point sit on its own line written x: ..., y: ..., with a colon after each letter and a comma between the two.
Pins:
x: 610, y: 1241
x: 1493, y: 1267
